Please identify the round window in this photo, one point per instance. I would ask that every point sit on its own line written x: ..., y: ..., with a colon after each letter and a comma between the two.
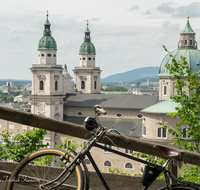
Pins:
x: 119, y: 115
x: 79, y: 113
x: 42, y: 55
x: 93, y: 58
x: 54, y: 55
x: 139, y: 116
x: 49, y: 55
x: 83, y: 58
x: 89, y: 58
x: 38, y: 55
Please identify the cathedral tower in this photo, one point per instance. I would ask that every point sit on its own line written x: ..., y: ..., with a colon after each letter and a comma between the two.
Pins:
x: 47, y: 78
x: 87, y: 75
x: 187, y: 47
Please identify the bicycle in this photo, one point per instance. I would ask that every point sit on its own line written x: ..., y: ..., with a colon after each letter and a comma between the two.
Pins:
x: 34, y: 172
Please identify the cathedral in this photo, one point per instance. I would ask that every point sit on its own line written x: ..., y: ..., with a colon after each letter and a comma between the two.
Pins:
x: 135, y: 116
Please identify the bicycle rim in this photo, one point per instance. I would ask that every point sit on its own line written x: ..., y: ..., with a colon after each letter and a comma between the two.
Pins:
x: 42, y: 167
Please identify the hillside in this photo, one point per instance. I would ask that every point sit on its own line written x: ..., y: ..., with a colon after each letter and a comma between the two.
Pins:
x: 132, y: 75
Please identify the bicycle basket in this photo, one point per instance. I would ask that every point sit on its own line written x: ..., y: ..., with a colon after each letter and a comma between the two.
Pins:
x: 149, y: 175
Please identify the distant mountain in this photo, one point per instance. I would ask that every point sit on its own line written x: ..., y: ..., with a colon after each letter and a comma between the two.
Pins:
x: 132, y: 75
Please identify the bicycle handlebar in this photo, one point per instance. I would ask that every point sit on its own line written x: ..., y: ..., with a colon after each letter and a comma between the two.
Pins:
x: 98, y: 108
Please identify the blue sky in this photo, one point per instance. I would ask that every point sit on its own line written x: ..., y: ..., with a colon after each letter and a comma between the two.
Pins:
x: 127, y: 34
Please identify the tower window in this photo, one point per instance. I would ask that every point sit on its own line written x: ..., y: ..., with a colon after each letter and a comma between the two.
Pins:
x: 185, y: 42
x: 82, y: 84
x: 190, y: 42
x: 165, y: 90
x: 54, y: 55
x: 95, y: 84
x: 49, y: 55
x: 89, y: 58
x: 42, y: 55
x: 41, y: 85
x: 56, y: 85
x: 83, y: 58
x: 144, y: 130
x: 93, y: 58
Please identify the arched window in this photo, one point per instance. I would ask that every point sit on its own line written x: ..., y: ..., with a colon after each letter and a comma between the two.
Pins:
x: 87, y: 161
x: 41, y: 85
x: 161, y: 132
x: 129, y: 165
x: 95, y: 84
x: 56, y: 85
x: 82, y: 84
x: 190, y: 42
x: 185, y: 42
x: 107, y: 163
x: 165, y: 90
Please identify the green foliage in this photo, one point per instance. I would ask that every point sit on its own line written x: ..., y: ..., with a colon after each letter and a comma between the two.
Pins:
x: 116, y: 171
x: 20, y: 146
x: 4, y: 97
x: 189, y: 105
x: 115, y: 88
x: 73, y: 145
x: 191, y: 173
x: 16, y: 94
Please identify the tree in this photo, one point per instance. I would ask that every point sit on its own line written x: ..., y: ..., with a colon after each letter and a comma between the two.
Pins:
x: 189, y: 104
x: 18, y: 147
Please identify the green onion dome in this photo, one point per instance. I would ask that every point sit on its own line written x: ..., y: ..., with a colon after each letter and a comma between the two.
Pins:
x: 47, y: 42
x: 87, y: 46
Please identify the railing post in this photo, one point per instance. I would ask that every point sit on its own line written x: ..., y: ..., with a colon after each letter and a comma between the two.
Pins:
x: 173, y: 170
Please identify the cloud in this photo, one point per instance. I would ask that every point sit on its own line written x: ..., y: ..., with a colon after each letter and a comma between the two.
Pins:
x: 147, y: 12
x: 133, y: 8
x: 166, y: 8
x: 193, y: 8
x: 95, y: 19
x: 181, y: 11
x: 170, y: 27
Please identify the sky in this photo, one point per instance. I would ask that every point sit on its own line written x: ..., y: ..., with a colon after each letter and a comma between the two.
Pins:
x: 126, y: 34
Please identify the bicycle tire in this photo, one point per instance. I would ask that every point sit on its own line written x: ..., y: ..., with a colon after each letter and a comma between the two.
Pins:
x: 26, y: 173
x: 180, y: 187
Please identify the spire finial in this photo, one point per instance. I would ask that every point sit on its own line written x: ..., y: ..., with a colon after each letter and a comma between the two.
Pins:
x: 87, y: 23
x: 47, y: 13
x: 188, y: 16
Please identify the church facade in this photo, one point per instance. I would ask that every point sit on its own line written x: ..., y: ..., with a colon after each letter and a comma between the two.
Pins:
x: 135, y: 116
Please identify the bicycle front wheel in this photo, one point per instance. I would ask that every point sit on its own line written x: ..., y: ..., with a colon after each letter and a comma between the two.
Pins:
x: 180, y: 187
x: 43, y: 167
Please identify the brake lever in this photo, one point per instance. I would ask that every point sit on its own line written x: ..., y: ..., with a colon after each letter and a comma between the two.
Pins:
x: 111, y: 142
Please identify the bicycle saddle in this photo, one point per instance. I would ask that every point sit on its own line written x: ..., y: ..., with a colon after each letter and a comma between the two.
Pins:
x: 170, y: 152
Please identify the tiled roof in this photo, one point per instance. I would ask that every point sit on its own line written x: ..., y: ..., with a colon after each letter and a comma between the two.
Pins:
x: 110, y: 101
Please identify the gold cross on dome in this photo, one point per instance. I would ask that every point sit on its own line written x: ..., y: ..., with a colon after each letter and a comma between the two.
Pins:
x: 47, y: 13
x: 188, y: 16
x: 87, y: 22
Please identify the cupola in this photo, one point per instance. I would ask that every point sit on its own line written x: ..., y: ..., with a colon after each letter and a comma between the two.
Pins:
x: 47, y: 42
x: 87, y: 47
